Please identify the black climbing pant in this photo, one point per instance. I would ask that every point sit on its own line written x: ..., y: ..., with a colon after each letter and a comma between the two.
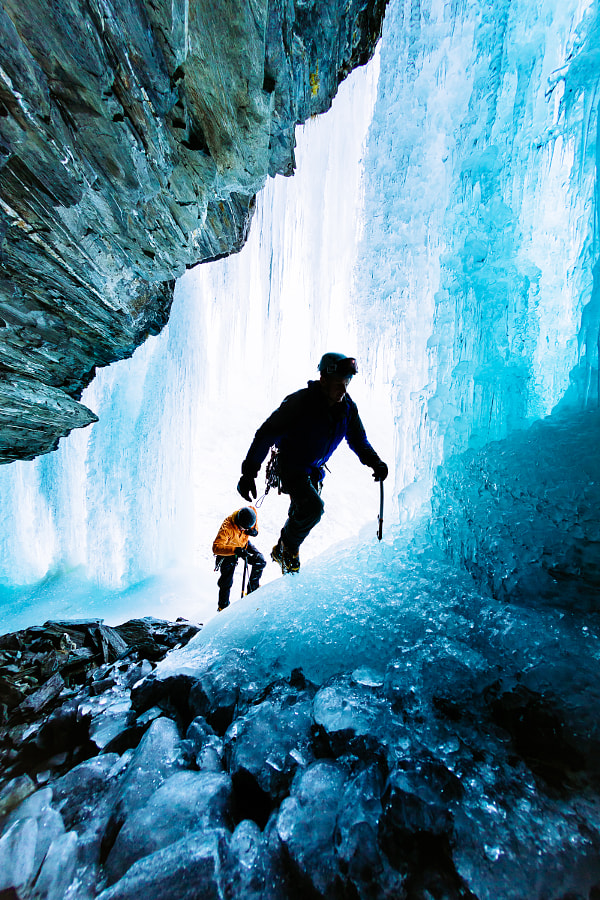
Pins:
x: 256, y: 562
x: 306, y: 508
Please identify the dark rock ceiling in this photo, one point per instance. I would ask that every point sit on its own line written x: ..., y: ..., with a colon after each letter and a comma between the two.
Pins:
x: 134, y: 136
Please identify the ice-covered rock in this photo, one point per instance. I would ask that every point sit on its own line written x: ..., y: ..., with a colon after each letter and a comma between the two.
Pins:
x: 157, y: 756
x: 187, y: 869
x: 265, y: 746
x: 85, y: 797
x: 13, y: 793
x: 18, y: 853
x: 363, y: 864
x: 59, y: 868
x: 307, y: 822
x: 27, y: 835
x: 187, y: 801
x: 205, y: 746
x: 223, y: 685
x: 250, y: 871
x: 357, y: 719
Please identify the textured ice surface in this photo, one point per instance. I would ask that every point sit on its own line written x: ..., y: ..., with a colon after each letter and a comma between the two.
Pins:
x: 476, y: 269
x: 402, y: 610
x: 522, y: 514
x: 187, y: 801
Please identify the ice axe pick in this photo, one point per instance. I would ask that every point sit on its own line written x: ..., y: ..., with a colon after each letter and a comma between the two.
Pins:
x: 244, y: 575
x: 380, y: 517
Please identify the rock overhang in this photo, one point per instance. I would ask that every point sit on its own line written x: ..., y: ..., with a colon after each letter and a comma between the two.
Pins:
x: 133, y: 140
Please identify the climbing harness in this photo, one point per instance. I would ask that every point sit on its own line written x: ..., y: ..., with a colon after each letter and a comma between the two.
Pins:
x: 380, y: 518
x: 272, y: 478
x: 272, y: 473
x: 218, y: 561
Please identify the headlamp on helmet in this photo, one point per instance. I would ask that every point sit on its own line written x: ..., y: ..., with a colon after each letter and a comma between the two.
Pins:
x: 338, y: 364
x: 245, y: 518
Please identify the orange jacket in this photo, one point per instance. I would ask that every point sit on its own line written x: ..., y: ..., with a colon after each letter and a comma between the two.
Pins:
x: 230, y: 536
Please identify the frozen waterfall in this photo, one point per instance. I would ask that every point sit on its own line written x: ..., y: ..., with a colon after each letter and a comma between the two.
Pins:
x: 122, y: 517
x: 412, y: 718
x: 439, y: 226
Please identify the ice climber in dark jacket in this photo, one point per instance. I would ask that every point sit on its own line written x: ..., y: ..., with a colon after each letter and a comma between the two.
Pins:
x: 306, y: 429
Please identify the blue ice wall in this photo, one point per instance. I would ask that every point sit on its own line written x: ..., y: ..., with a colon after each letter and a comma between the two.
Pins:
x: 479, y: 266
x: 521, y: 514
x: 479, y: 271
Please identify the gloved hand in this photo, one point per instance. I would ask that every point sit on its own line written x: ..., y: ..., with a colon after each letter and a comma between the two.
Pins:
x: 240, y: 552
x: 380, y: 471
x: 252, y: 532
x: 247, y: 487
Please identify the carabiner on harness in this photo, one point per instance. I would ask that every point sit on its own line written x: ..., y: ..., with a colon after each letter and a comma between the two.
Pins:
x: 272, y: 478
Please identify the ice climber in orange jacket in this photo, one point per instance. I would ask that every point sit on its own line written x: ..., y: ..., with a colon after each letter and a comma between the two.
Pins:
x: 232, y: 543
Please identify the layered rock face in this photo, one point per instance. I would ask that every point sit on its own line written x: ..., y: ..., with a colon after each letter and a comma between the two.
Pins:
x: 133, y: 139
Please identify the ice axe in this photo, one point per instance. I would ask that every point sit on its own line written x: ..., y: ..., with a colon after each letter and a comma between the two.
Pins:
x: 244, y: 575
x: 380, y: 517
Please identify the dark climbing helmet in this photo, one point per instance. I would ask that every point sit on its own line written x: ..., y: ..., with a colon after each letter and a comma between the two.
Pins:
x: 245, y: 518
x: 338, y: 364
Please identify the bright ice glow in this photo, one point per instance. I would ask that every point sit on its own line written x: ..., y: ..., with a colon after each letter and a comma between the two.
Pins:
x: 142, y: 494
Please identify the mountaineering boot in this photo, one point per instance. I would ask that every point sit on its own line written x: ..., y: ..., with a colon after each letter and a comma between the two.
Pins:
x: 289, y: 561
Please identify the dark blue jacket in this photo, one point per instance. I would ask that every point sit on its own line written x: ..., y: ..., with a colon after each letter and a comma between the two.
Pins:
x: 306, y: 429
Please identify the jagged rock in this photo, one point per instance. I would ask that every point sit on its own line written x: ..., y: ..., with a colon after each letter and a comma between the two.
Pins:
x: 157, y: 756
x: 153, y: 637
x: 265, y: 747
x: 13, y: 794
x: 35, y: 702
x: 54, y: 727
x: 185, y: 802
x: 111, y: 644
x: 306, y: 825
x: 170, y: 695
x: 185, y: 870
x: 10, y: 694
x: 133, y: 140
